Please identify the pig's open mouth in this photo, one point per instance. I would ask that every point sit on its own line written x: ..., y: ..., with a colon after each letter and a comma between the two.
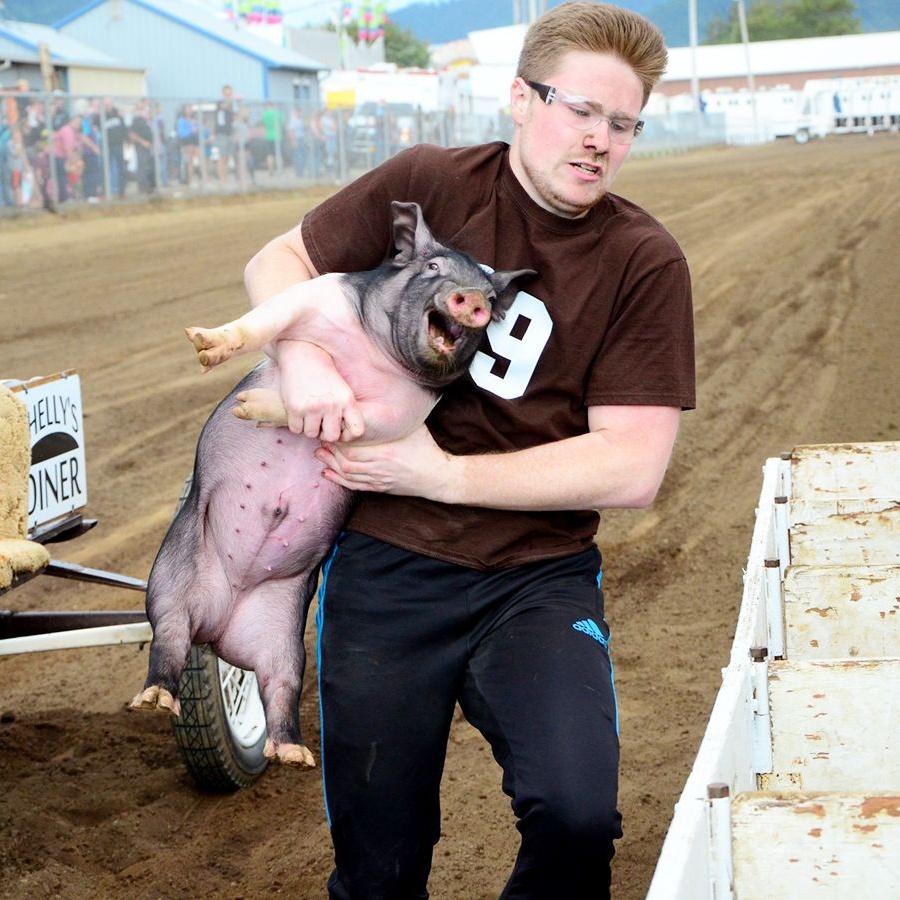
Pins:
x: 443, y: 332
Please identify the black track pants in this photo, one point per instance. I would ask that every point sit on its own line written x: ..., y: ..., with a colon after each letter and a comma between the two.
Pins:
x: 402, y: 639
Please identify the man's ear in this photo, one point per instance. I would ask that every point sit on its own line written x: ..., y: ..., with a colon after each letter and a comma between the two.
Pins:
x: 520, y: 96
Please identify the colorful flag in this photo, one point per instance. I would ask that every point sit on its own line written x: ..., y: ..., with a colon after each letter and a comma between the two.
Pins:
x: 365, y: 20
x: 274, y: 15
x: 376, y: 29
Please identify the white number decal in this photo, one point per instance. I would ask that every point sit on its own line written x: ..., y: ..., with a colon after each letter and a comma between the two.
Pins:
x: 517, y: 343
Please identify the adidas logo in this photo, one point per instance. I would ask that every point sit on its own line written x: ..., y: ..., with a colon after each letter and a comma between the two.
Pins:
x: 589, y: 627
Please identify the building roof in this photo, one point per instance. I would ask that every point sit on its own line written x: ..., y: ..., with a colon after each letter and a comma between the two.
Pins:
x: 63, y: 49
x: 818, y: 54
x: 501, y: 46
x: 221, y: 30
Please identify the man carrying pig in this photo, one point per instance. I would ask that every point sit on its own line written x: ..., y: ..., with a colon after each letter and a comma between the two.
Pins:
x: 468, y: 570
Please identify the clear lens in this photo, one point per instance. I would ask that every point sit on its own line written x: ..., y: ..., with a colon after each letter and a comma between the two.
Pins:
x: 584, y: 116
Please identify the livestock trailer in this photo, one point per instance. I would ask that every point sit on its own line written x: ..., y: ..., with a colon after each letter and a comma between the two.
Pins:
x: 795, y: 790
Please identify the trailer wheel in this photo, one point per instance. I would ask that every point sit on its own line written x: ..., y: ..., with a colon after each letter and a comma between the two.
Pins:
x: 802, y: 136
x: 222, y: 728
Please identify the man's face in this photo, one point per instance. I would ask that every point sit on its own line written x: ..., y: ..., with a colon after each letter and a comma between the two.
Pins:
x: 564, y: 169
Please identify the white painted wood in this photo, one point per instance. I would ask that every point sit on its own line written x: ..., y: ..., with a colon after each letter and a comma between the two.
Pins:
x: 832, y: 846
x: 836, y: 723
x: 774, y: 598
x: 848, y: 533
x: 683, y: 871
x: 835, y: 718
x: 726, y: 752
x: 762, y: 718
x: 865, y: 470
x: 721, y: 865
x: 831, y: 611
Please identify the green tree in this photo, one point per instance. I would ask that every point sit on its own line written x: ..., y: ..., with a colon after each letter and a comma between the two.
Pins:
x: 773, y: 20
x: 401, y: 46
x: 404, y: 49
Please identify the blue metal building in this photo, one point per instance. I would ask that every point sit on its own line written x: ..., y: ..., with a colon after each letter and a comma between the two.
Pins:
x: 69, y: 65
x: 187, y: 52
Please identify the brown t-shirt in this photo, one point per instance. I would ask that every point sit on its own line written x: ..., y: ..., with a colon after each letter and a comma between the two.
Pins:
x: 607, y: 321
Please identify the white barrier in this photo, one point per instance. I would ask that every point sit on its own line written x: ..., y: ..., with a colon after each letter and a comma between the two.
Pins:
x: 795, y: 790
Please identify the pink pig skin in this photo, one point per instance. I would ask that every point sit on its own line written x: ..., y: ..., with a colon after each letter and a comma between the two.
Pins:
x: 239, y: 564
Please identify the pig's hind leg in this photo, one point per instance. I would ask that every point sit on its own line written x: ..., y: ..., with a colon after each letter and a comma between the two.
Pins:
x: 187, y: 595
x: 262, y: 405
x: 168, y: 656
x: 267, y: 631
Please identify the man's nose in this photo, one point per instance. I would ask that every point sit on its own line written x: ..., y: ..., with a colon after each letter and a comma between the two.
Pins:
x: 597, y: 136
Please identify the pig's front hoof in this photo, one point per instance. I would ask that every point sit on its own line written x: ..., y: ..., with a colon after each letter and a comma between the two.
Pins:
x: 290, y: 754
x: 157, y: 698
x: 214, y: 345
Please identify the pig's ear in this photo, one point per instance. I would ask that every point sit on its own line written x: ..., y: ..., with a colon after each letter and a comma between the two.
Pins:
x: 507, y: 285
x: 411, y: 234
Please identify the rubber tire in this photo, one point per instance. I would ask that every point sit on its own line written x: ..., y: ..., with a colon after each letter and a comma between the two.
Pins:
x: 214, y: 756
x: 213, y: 753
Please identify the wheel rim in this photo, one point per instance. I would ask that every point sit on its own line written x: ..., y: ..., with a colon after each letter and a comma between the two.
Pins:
x: 243, y: 706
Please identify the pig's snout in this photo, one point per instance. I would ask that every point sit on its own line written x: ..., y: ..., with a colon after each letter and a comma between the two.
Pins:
x: 469, y: 308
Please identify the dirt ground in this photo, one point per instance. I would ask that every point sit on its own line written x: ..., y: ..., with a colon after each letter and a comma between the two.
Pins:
x: 794, y: 256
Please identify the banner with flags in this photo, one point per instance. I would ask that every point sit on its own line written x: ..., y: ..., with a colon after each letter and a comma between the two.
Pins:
x: 378, y: 19
x: 254, y: 12
x: 371, y: 20
x: 274, y: 14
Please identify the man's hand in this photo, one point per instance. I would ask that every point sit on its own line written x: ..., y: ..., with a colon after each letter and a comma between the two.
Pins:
x: 414, y: 465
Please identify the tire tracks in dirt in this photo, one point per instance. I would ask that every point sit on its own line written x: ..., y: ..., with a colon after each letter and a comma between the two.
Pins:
x: 793, y: 254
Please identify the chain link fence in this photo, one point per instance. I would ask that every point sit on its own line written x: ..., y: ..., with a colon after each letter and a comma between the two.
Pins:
x: 58, y: 148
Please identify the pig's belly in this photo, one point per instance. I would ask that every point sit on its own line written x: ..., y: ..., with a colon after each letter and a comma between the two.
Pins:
x: 276, y: 516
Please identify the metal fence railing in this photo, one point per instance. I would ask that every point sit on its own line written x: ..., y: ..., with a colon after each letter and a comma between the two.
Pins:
x: 59, y: 147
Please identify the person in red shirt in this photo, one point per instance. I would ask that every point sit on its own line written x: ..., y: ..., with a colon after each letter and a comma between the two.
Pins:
x: 67, y: 157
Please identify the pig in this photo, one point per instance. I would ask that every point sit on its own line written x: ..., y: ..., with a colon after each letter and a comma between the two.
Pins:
x: 240, y: 562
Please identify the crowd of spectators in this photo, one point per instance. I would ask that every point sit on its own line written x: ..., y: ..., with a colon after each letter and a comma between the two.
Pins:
x: 56, y: 148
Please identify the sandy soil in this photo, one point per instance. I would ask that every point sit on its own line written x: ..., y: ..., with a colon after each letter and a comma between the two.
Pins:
x: 793, y: 251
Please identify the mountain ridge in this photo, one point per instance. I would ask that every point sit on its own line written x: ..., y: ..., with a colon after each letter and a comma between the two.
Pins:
x: 441, y: 22
x: 448, y: 20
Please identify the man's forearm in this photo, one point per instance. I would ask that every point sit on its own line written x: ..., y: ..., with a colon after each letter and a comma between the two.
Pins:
x: 584, y: 472
x: 620, y: 463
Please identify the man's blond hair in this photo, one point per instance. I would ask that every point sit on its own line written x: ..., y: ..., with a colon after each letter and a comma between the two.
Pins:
x: 594, y: 28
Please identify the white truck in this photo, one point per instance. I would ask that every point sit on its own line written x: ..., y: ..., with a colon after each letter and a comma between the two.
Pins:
x: 824, y: 106
x: 847, y: 105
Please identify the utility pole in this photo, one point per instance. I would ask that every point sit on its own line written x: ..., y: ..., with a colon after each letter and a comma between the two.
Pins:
x: 745, y: 40
x: 695, y: 81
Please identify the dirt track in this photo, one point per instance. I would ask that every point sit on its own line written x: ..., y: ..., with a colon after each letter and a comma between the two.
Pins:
x: 794, y: 256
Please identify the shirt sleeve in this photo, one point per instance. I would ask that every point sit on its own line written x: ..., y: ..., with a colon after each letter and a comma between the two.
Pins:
x: 352, y: 230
